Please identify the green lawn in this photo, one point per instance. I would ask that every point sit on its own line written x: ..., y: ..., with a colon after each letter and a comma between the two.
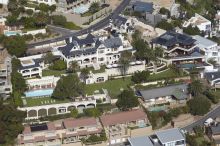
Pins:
x: 43, y: 101
x: 164, y: 75
x: 113, y: 86
x: 53, y: 72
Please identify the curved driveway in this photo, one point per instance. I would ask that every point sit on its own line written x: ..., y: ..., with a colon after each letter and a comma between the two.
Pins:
x: 104, y: 22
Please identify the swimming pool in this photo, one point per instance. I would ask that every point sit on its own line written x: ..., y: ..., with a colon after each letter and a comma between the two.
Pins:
x: 39, y: 93
x: 81, y: 9
x: 11, y: 33
x: 157, y: 108
x: 189, y: 65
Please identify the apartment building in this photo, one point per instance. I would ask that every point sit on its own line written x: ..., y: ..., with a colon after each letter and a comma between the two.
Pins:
x: 59, y: 132
x: 5, y: 73
x: 92, y: 51
x: 173, y: 94
x: 169, y: 137
x: 180, y: 49
x: 117, y: 125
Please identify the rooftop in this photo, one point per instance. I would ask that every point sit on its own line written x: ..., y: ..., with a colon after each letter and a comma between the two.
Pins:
x: 171, y: 38
x: 204, y: 42
x: 122, y: 117
x: 169, y: 135
x: 72, y: 123
x: 179, y: 91
x: 212, y: 75
x: 140, y: 141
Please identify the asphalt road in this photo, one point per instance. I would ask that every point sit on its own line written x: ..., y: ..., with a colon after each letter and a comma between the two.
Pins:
x: 212, y: 114
x: 104, y: 22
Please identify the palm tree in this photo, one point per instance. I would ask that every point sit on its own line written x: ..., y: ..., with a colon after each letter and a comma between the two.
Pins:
x: 196, y: 87
x: 124, y: 61
x: 74, y: 66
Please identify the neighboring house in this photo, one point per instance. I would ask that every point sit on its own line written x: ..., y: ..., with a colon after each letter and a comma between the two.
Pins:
x: 180, y: 49
x: 122, y: 24
x: 153, y: 19
x: 5, y: 73
x: 59, y: 132
x: 117, y: 125
x: 142, y: 7
x: 173, y: 94
x: 31, y: 66
x: 174, y: 10
x: 210, y: 48
x: 48, y: 2
x: 201, y: 22
x: 93, y: 51
x: 169, y: 137
x: 213, y: 78
x: 217, y: 21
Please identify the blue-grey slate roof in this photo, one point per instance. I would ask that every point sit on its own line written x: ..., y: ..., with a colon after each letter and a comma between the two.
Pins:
x: 179, y: 91
x: 143, y: 7
x: 119, y: 20
x: 140, y: 141
x: 170, y: 135
x: 210, y: 76
x: 113, y: 42
x: 171, y: 38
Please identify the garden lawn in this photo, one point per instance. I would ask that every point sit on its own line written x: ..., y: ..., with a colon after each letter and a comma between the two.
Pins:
x: 43, y: 101
x: 163, y: 75
x: 53, y: 72
x: 113, y: 86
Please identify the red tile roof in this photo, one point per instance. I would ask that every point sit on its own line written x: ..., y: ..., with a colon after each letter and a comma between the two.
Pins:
x: 123, y: 117
x: 72, y: 123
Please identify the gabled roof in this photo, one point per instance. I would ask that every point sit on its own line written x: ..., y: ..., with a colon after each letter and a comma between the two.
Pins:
x: 204, y: 42
x: 113, y: 42
x: 179, y: 91
x: 171, y: 38
x: 119, y: 20
x: 210, y: 76
x: 170, y: 135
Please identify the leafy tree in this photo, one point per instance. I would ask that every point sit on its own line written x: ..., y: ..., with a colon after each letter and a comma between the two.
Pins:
x: 15, y: 45
x: 95, y: 7
x: 165, y: 25
x: 12, y: 20
x: 165, y: 11
x: 196, y: 87
x: 127, y: 100
x: 124, y: 61
x: 41, y: 19
x: 52, y: 8
x: 140, y: 76
x: 192, y: 30
x: 48, y: 58
x: 92, y: 112
x: 44, y: 7
x: 199, y: 105
x: 10, y: 124
x: 84, y: 74
x: 211, y: 95
x: 12, y: 5
x: 68, y: 87
x: 58, y: 65
x: 74, y: 113
x: 59, y: 20
x: 29, y: 12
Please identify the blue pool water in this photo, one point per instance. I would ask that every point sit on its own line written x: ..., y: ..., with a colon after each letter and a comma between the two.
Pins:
x: 11, y: 33
x: 157, y: 108
x: 39, y: 93
x: 81, y: 9
x: 189, y: 65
